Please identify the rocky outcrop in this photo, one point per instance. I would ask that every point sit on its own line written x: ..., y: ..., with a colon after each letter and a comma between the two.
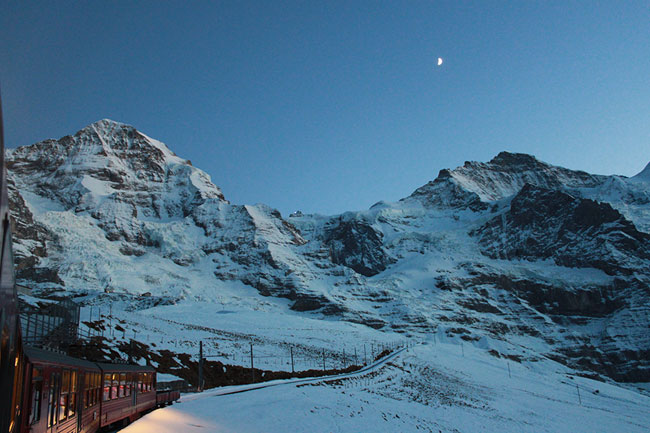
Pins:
x: 574, y: 232
x: 355, y: 244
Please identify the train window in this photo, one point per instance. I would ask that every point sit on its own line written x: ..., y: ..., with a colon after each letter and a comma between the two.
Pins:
x: 16, y: 391
x: 63, y: 396
x: 116, y: 384
x: 94, y: 396
x: 122, y: 384
x: 139, y: 385
x: 36, y: 391
x: 107, y: 387
x: 87, y: 377
x: 98, y: 386
x: 127, y: 387
x: 92, y: 385
x: 52, y: 402
x: 72, y: 398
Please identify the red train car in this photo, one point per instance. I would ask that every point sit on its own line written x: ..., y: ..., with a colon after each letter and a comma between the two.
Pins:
x: 69, y: 395
x: 128, y: 390
x: 61, y: 393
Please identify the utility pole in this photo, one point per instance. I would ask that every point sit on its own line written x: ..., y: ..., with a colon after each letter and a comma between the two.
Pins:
x: 252, y: 365
x: 292, y: 370
x: 200, y: 387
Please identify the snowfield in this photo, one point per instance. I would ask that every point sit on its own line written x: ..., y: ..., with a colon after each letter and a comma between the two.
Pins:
x: 437, y: 386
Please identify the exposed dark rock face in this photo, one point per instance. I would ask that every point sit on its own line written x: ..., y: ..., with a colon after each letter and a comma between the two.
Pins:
x: 355, y: 244
x: 575, y: 232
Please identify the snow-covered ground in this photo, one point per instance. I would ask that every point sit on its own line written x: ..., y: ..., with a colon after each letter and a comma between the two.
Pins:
x: 227, y: 331
x: 437, y: 386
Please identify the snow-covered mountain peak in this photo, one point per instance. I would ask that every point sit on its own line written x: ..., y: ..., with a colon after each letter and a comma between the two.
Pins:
x: 644, y: 175
x: 108, y: 158
x: 115, y: 137
x: 517, y: 161
x: 476, y: 183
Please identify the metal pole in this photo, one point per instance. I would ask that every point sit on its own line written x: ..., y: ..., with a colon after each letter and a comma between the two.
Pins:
x: 292, y: 370
x: 200, y: 386
x: 323, y: 359
x: 509, y: 371
x: 579, y: 399
x: 252, y: 366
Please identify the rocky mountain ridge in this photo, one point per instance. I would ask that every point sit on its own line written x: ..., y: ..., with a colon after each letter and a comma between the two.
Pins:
x: 516, y: 249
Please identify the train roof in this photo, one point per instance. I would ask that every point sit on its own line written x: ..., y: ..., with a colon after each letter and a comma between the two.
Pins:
x: 36, y: 355
x: 126, y: 367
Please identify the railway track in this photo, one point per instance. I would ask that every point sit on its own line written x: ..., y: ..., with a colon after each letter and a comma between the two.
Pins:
x: 237, y: 389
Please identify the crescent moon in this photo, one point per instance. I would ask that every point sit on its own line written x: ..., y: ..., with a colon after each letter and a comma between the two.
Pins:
x: 439, y: 61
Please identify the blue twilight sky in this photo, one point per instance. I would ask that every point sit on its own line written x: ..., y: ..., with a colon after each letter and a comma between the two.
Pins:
x: 328, y: 106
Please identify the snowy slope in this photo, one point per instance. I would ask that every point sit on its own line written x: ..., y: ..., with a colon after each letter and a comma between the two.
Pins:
x: 552, y: 260
x: 436, y: 387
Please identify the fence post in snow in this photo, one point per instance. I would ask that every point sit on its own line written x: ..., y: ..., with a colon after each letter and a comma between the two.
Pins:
x: 579, y: 399
x: 462, y: 348
x: 509, y: 370
x: 323, y: 359
x: 292, y: 369
x: 356, y: 361
x: 365, y: 355
x: 344, y: 358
